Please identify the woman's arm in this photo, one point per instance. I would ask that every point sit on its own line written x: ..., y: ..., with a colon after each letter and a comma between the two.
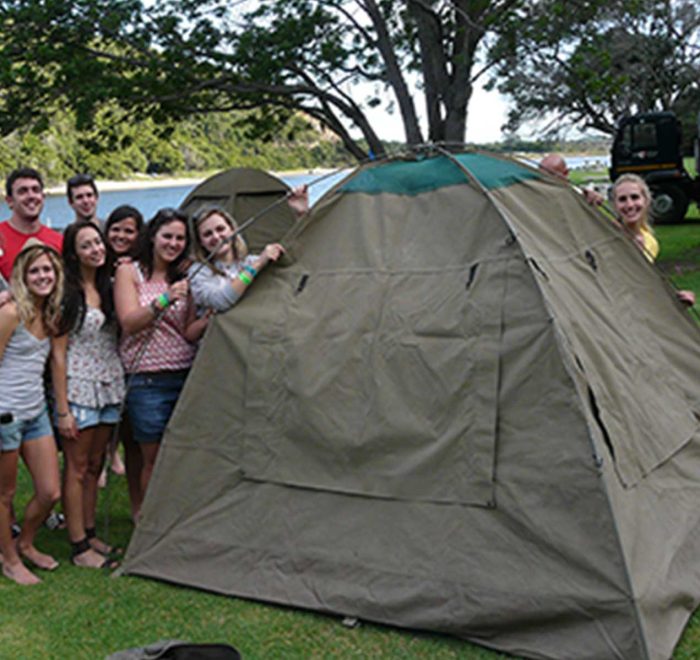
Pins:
x: 133, y: 316
x: 9, y: 320
x: 220, y: 292
x: 195, y: 327
x: 59, y: 379
x: 209, y: 289
x: 272, y: 252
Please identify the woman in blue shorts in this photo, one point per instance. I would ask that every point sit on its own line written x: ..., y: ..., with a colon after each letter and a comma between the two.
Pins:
x: 159, y: 329
x: 27, y: 325
x: 88, y: 382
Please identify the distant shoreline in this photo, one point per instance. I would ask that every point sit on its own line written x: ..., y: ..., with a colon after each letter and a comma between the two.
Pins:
x: 169, y: 182
x: 134, y: 184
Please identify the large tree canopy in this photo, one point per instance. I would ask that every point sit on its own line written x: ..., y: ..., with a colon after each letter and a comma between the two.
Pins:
x: 581, y: 62
x: 331, y: 59
x: 589, y: 63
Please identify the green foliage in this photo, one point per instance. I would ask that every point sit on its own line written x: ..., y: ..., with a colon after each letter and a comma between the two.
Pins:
x: 587, y: 63
x: 331, y: 59
x: 118, y: 145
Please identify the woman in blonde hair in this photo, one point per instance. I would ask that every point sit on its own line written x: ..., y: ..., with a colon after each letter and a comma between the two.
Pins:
x: 223, y: 270
x: 28, y: 325
x: 631, y: 198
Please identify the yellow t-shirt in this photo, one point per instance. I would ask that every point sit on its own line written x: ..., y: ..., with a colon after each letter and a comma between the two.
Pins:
x: 651, y: 245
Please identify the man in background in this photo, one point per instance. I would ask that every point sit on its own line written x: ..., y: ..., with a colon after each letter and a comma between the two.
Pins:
x: 82, y: 194
x: 555, y: 165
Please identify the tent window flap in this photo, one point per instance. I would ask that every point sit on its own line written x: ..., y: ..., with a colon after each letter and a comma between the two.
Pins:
x: 395, y: 396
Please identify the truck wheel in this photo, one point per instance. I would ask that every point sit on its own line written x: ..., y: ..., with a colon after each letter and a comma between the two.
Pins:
x: 669, y: 203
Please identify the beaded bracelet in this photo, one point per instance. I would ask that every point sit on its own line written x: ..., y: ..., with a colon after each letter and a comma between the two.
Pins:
x: 251, y: 270
x: 245, y: 278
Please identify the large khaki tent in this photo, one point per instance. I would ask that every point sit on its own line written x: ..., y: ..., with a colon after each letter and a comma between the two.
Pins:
x: 466, y: 403
x: 246, y: 192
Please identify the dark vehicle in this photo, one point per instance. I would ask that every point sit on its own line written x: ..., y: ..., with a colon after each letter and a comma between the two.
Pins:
x: 649, y: 144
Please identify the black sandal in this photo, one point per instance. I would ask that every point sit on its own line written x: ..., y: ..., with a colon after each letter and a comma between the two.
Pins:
x: 80, y: 547
x: 91, y: 533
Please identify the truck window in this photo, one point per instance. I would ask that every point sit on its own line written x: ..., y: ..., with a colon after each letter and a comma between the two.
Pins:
x: 644, y: 140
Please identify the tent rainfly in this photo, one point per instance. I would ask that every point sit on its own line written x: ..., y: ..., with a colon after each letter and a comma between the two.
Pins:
x: 464, y: 403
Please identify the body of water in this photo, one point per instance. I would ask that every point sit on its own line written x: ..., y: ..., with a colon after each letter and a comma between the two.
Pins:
x: 57, y: 212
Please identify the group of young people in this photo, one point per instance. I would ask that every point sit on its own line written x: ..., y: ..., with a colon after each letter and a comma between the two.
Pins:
x: 115, y: 310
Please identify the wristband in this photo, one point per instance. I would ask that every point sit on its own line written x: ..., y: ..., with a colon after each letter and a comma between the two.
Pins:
x: 251, y: 270
x: 245, y: 278
x: 65, y: 414
x: 163, y: 300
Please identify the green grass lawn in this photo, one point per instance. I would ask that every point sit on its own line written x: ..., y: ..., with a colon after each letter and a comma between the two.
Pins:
x: 80, y: 613
x: 679, y: 257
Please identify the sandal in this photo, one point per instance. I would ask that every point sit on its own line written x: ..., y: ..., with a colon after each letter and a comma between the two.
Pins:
x: 107, y: 550
x: 81, y: 547
x: 55, y: 520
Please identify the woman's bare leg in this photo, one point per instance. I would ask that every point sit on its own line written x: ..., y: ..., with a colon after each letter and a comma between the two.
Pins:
x: 134, y: 467
x: 75, y: 476
x: 41, y: 459
x: 12, y: 566
x: 149, y: 453
x: 96, y: 459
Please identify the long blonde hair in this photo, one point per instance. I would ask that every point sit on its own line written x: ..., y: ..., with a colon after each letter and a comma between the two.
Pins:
x: 240, y: 249
x: 50, y: 310
x: 646, y: 193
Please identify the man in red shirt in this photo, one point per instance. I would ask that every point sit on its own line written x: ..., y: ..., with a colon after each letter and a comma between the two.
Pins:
x: 24, y: 191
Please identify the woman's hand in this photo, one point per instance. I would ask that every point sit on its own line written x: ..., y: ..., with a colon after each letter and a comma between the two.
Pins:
x: 178, y: 291
x: 67, y: 426
x: 686, y: 297
x: 272, y: 252
x: 298, y: 200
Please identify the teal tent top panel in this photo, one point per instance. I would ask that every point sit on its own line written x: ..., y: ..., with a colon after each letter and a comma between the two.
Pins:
x: 416, y: 177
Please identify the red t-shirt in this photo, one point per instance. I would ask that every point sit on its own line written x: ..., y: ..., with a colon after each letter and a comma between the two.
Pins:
x: 12, y: 242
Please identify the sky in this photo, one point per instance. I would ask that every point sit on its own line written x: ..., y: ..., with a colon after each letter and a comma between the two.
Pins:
x: 487, y: 113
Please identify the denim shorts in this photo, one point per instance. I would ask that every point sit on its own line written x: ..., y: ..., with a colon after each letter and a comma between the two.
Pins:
x: 150, y: 400
x: 86, y: 417
x: 14, y: 433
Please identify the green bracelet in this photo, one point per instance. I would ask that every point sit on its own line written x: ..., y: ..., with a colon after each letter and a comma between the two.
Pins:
x: 251, y: 270
x: 163, y: 300
x: 245, y: 278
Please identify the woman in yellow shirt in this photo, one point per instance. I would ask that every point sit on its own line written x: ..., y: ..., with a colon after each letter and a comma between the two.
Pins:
x: 631, y: 198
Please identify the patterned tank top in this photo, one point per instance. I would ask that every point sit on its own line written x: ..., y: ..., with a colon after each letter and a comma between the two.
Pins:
x: 159, y: 348
x: 95, y: 374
